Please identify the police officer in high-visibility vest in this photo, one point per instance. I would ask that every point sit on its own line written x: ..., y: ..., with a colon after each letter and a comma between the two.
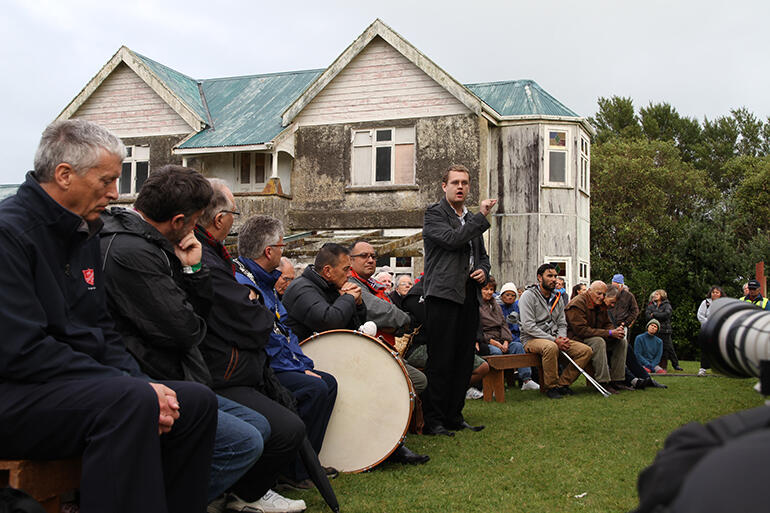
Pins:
x: 755, y: 297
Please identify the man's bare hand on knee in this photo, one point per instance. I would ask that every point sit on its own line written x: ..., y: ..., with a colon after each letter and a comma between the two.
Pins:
x: 169, y: 407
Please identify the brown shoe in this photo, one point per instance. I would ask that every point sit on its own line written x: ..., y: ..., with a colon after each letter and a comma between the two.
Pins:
x: 620, y: 386
x: 609, y: 388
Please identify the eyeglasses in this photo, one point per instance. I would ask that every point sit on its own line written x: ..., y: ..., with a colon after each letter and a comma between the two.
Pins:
x: 233, y: 212
x: 365, y: 256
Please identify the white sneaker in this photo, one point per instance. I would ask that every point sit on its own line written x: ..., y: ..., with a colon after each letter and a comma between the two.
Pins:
x: 474, y: 393
x: 271, y: 502
x: 530, y: 385
x: 701, y: 372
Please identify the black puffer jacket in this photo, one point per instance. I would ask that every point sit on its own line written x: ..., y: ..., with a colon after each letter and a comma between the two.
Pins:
x: 314, y: 305
x: 157, y: 308
x: 238, y: 332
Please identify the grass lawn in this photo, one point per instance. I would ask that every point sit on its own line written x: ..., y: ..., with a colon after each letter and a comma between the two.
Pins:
x: 537, y: 454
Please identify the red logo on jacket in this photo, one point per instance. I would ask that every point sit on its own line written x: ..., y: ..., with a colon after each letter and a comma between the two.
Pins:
x: 88, y: 275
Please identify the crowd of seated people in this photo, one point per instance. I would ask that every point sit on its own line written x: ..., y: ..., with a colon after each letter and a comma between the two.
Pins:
x: 163, y: 315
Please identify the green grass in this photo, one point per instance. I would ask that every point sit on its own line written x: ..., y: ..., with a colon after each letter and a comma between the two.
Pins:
x: 537, y: 454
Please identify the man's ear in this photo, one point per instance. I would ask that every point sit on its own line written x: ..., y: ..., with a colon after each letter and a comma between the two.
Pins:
x: 326, y: 271
x: 178, y: 221
x: 63, y: 175
x: 218, y: 220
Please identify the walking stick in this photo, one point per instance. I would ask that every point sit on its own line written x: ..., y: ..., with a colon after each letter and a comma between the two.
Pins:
x: 590, y: 379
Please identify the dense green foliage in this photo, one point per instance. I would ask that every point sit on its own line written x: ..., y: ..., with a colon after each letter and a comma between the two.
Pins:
x: 536, y: 455
x: 678, y: 204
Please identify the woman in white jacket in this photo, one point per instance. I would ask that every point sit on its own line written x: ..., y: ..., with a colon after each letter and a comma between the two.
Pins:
x: 703, y: 314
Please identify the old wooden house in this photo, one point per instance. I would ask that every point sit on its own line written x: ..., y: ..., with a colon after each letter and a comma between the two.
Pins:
x: 359, y: 148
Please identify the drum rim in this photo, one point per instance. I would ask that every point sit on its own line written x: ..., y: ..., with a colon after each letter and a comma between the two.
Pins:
x: 401, y: 365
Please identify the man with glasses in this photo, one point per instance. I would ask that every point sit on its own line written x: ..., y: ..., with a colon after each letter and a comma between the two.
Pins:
x: 260, y: 246
x: 287, y: 276
x: 456, y: 266
x: 403, y: 286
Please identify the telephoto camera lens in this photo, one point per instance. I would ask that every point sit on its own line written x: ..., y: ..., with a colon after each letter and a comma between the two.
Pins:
x: 736, y: 338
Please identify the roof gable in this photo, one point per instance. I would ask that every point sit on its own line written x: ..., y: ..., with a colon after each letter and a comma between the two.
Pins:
x: 378, y: 28
x: 176, y: 97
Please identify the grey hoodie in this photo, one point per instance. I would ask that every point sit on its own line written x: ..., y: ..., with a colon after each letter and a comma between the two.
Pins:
x: 537, y: 320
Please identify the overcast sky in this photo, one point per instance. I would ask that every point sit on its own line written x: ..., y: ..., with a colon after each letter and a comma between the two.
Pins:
x: 704, y: 57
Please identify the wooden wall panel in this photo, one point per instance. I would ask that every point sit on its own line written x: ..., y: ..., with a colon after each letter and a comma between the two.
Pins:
x: 125, y: 104
x: 379, y: 83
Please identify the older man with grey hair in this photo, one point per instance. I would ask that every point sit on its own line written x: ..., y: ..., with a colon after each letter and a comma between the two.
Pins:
x: 287, y: 276
x: 260, y: 244
x: 69, y: 388
x: 588, y: 322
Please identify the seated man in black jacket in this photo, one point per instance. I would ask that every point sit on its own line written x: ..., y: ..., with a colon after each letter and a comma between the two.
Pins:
x: 69, y: 389
x: 159, y: 294
x: 321, y: 298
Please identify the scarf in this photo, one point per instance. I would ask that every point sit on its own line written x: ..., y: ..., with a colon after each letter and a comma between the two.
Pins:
x: 205, y: 237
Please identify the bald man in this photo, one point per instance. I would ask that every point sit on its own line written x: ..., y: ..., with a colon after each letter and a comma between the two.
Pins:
x: 588, y: 322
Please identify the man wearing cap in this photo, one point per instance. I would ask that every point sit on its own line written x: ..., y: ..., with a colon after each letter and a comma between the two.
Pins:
x: 626, y: 309
x: 755, y: 296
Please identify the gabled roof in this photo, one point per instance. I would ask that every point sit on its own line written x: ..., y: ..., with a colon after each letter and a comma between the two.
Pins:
x: 247, y: 110
x: 186, y: 88
x: 520, y: 98
x: 175, y: 89
x: 378, y: 28
x: 253, y: 110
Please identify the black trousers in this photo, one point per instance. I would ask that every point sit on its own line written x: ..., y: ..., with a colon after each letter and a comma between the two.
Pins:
x: 112, y: 424
x: 669, y: 353
x: 315, y: 402
x: 452, y: 331
x: 286, y: 434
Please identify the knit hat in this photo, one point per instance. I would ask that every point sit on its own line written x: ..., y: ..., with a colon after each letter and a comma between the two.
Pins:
x: 508, y: 287
x: 618, y: 278
x: 656, y: 322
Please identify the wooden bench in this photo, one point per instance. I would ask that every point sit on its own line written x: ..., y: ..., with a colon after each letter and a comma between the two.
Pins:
x: 494, y: 382
x: 45, y: 481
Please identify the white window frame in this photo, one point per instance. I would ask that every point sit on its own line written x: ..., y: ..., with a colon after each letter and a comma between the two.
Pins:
x: 567, y: 261
x: 584, y: 271
x: 567, y: 150
x: 374, y: 144
x: 252, y: 169
x: 584, y: 170
x: 144, y: 151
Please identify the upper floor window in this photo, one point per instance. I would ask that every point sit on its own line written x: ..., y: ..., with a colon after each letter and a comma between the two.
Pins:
x: 585, y: 165
x: 383, y: 156
x: 252, y: 168
x: 557, y: 156
x: 136, y: 169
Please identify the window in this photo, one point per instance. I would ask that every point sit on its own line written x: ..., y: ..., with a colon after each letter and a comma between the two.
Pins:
x: 557, y: 156
x: 583, y: 271
x: 585, y: 178
x: 136, y: 169
x: 252, y: 168
x: 383, y: 156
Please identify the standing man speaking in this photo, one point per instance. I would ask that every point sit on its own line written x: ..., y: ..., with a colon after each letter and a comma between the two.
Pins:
x: 456, y: 265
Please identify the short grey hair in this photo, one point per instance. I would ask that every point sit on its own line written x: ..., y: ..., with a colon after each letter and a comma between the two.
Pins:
x: 77, y: 142
x: 257, y: 233
x: 219, y: 202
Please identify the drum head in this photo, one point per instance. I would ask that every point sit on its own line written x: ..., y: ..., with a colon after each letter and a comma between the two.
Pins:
x: 374, y: 399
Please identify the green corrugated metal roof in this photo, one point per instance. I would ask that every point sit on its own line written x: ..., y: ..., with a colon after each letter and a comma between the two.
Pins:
x: 519, y: 98
x: 184, y: 87
x: 247, y: 110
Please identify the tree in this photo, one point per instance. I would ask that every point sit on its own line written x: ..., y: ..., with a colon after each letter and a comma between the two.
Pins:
x: 616, y: 117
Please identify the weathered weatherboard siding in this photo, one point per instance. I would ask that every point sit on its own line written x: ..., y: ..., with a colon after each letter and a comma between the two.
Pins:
x: 125, y: 104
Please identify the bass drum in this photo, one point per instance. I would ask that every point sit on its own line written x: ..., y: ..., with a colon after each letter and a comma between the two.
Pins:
x: 374, y: 403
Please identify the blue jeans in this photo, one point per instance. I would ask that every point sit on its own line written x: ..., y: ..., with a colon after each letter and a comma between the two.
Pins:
x: 525, y: 373
x: 240, y: 438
